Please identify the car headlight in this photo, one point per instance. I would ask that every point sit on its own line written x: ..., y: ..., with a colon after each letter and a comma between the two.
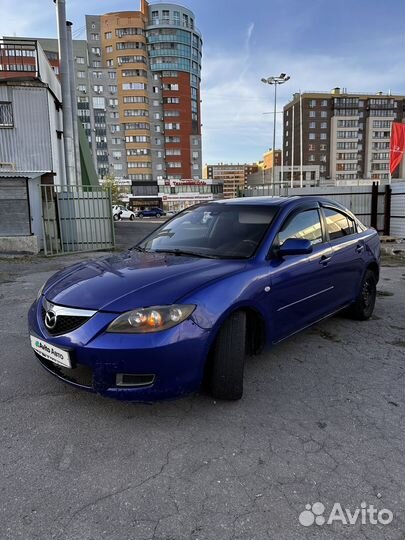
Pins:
x: 152, y: 319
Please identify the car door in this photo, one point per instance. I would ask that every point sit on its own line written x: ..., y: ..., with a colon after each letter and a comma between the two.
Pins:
x: 301, y: 285
x: 348, y: 248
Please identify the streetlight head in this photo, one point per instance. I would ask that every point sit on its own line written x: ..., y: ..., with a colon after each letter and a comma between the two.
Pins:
x: 264, y: 80
x: 282, y: 75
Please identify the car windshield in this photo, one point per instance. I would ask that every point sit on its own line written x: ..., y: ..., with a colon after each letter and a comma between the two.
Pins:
x: 213, y: 231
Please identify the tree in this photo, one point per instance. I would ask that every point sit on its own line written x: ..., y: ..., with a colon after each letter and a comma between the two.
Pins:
x: 110, y: 184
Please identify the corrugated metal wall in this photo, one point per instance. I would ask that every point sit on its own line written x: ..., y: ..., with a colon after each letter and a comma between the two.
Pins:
x: 355, y: 198
x: 14, y: 210
x: 27, y: 145
x: 398, y: 210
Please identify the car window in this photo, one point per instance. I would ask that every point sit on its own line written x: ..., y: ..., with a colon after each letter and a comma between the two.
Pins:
x: 338, y: 224
x: 214, y: 230
x: 305, y: 224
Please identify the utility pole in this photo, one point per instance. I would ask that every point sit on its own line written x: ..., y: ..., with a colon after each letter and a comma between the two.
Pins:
x: 68, y: 134
x: 281, y: 79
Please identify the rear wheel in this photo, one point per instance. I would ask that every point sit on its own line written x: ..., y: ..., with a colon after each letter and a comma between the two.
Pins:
x: 116, y: 217
x: 132, y: 217
x: 363, y: 307
x: 228, y: 362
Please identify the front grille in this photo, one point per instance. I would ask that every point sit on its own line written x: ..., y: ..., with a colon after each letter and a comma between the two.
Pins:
x: 64, y: 323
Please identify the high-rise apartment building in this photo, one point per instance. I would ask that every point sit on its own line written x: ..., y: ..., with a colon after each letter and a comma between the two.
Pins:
x: 232, y: 176
x: 138, y: 90
x: 346, y: 134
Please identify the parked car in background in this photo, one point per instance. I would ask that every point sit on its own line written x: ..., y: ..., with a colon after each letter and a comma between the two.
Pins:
x: 151, y: 212
x: 121, y: 212
x: 216, y: 282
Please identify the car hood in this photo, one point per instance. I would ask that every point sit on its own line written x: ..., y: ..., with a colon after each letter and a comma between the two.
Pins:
x: 130, y: 280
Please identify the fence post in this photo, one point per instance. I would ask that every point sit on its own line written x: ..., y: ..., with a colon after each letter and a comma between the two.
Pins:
x: 374, y: 205
x: 387, y: 210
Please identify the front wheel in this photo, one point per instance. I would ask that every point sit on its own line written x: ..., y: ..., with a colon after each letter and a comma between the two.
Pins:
x: 363, y: 307
x: 228, y: 362
x: 141, y: 216
x: 116, y: 217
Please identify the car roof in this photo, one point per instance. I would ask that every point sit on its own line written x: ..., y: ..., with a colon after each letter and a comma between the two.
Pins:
x: 277, y: 201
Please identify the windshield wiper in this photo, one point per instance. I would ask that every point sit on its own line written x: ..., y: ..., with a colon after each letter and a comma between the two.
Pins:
x: 180, y: 252
x: 138, y: 248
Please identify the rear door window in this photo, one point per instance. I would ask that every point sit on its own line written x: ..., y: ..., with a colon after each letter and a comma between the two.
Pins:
x: 338, y: 224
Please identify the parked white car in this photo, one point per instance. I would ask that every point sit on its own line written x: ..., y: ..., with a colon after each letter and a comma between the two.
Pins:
x: 120, y: 212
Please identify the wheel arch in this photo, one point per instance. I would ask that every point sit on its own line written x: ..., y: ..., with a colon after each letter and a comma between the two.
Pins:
x: 256, y: 334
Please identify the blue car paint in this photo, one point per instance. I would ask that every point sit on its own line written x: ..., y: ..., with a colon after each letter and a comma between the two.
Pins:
x: 287, y: 294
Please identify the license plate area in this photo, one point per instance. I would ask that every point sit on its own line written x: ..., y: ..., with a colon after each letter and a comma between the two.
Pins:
x: 53, y: 354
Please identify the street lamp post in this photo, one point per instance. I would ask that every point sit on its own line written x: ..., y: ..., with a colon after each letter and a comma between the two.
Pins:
x: 281, y: 79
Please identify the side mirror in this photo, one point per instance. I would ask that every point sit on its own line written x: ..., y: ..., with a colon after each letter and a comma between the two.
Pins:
x: 295, y: 246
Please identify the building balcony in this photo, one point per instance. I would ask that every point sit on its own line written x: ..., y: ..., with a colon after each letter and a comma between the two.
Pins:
x: 173, y: 22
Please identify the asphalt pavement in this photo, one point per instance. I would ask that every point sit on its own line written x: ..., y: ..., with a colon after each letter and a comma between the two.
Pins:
x: 321, y: 421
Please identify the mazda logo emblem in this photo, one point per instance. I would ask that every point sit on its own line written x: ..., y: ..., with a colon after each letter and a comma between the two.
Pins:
x: 50, y: 319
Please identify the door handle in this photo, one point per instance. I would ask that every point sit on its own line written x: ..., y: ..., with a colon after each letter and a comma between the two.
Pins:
x: 359, y: 248
x: 325, y: 259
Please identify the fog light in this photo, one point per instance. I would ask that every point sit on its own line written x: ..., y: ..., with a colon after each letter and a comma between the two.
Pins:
x: 129, y: 380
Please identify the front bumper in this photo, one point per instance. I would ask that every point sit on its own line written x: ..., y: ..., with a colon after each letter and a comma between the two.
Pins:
x: 176, y: 357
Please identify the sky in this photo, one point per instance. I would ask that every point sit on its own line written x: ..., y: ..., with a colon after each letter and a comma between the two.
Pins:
x: 354, y: 44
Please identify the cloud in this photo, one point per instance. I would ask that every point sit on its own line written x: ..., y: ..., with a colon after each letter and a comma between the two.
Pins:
x: 235, y: 127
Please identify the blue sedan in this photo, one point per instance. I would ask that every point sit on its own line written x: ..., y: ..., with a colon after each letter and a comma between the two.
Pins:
x: 214, y: 284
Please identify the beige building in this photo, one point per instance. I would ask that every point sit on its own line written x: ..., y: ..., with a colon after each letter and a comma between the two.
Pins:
x: 232, y: 176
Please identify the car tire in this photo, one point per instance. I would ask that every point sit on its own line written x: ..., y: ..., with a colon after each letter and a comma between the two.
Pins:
x: 116, y: 217
x: 141, y: 216
x: 363, y: 307
x: 132, y: 217
x: 228, y: 360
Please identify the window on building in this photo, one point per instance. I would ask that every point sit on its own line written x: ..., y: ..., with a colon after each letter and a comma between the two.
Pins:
x: 6, y: 114
x: 172, y: 125
x: 338, y: 225
x: 324, y: 114
x: 98, y: 103
x: 312, y: 125
x: 109, y: 49
x: 81, y: 74
x: 324, y: 103
x: 312, y: 114
x: 95, y: 36
x: 312, y: 103
x: 108, y: 35
x: 96, y: 50
x: 79, y: 60
x: 324, y: 136
x: 134, y: 86
x: 311, y: 136
x: 112, y: 75
x: 98, y: 88
x: 324, y: 125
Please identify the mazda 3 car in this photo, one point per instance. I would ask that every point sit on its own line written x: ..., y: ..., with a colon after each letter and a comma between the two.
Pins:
x: 218, y: 282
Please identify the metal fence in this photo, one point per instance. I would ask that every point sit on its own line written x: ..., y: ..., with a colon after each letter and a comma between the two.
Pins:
x: 76, y: 218
x: 381, y: 207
